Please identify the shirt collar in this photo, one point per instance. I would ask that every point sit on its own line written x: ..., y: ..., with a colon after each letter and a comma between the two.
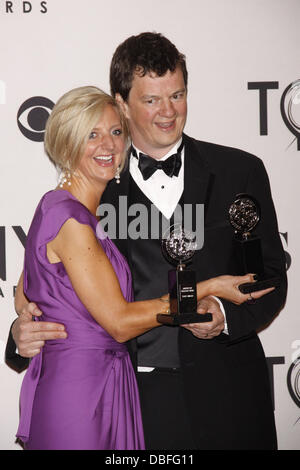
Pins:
x: 171, y: 152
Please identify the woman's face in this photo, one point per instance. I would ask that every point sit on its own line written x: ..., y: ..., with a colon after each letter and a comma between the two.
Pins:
x: 104, y: 151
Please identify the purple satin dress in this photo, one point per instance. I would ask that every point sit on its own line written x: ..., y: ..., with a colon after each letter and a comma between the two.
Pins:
x: 80, y: 392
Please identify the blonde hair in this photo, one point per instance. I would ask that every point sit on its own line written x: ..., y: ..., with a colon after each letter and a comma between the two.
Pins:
x: 72, y: 120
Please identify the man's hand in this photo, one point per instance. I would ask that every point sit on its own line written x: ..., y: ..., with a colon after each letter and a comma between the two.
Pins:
x: 208, y: 330
x: 30, y: 336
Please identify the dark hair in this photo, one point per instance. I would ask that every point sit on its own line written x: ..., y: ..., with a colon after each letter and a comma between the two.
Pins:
x: 147, y: 52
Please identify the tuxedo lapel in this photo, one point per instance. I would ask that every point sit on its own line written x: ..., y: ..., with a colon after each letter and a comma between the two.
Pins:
x: 198, y: 184
x: 198, y: 179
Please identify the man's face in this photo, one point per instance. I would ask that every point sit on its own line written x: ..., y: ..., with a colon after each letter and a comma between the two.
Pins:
x: 156, y: 111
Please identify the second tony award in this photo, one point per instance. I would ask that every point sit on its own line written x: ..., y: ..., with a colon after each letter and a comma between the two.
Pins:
x: 244, y: 215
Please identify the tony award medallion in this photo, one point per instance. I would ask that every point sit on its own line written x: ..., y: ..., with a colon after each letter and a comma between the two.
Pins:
x: 244, y: 215
x: 179, y: 247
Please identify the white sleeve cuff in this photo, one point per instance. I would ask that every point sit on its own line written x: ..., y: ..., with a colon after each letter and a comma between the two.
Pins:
x: 223, y: 311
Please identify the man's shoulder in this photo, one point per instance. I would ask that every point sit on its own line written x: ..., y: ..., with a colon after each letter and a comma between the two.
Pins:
x: 217, y: 154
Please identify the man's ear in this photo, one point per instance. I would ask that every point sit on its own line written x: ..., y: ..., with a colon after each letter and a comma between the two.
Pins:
x: 123, y: 105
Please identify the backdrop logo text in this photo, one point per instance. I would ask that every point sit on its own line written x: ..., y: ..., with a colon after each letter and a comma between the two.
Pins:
x: 289, y: 106
x: 23, y: 7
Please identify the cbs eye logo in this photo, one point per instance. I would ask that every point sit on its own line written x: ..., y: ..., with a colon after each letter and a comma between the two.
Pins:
x: 32, y: 117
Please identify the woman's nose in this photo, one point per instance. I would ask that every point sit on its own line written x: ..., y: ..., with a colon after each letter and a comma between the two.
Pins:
x: 107, y: 143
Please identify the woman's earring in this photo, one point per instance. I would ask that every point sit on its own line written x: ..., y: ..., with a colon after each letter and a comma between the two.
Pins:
x: 117, y: 175
x: 64, y: 178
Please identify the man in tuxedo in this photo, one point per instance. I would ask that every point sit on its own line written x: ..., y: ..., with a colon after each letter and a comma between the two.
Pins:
x: 205, y: 385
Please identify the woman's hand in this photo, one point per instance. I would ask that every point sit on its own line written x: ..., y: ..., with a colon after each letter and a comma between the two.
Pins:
x: 227, y: 287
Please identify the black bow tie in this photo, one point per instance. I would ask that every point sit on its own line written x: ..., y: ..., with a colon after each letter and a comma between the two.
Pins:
x: 148, y: 165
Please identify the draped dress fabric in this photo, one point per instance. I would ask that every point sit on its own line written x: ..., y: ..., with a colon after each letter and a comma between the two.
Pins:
x: 79, y: 392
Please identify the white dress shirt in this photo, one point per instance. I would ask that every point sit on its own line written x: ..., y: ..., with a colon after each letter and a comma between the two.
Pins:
x: 164, y: 192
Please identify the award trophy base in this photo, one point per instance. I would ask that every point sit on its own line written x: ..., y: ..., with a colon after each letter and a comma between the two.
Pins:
x: 183, y: 318
x: 183, y: 299
x: 251, y: 261
x: 249, y: 287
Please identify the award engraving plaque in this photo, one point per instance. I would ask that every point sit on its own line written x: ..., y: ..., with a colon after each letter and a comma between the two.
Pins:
x: 179, y: 247
x: 244, y: 215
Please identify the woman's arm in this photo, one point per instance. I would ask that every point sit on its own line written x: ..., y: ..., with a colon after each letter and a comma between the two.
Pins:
x: 96, y: 284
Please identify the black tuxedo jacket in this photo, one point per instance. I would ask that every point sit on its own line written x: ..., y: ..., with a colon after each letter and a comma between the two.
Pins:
x: 226, y: 379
